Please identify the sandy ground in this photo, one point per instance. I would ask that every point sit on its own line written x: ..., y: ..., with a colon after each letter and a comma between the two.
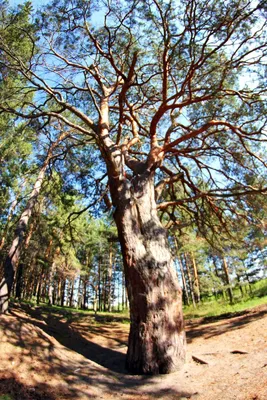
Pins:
x: 49, y: 357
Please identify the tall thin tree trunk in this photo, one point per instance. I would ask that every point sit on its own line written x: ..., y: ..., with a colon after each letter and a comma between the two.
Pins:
x: 16, y: 247
x: 119, y: 287
x: 249, y: 284
x: 21, y: 266
x: 84, y: 296
x: 109, y: 277
x: 104, y: 290
x: 125, y: 295
x: 19, y: 279
x: 29, y: 282
x: 196, y: 278
x: 40, y: 283
x: 99, y: 286
x: 185, y: 290
x: 227, y: 278
x: 52, y: 273
x: 13, y: 257
x: 79, y: 297
x: 247, y: 276
x: 62, y: 294
x: 180, y: 263
x: 11, y: 211
x: 71, y: 292
x: 51, y: 283
x: 95, y: 297
x: 58, y: 291
x: 221, y: 291
x: 215, y: 268
x: 122, y: 292
x: 189, y: 279
x: 240, y: 285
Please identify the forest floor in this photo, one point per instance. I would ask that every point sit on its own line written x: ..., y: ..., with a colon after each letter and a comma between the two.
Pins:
x: 45, y: 355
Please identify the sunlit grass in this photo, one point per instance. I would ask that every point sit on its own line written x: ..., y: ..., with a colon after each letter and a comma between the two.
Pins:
x: 215, y: 308
x: 208, y: 308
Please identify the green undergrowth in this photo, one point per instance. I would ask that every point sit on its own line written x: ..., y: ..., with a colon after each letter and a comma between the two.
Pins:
x: 74, y: 314
x: 208, y: 308
x: 202, y: 310
x: 214, y: 308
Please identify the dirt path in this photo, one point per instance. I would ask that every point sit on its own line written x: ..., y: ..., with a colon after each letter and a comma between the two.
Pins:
x: 50, y: 357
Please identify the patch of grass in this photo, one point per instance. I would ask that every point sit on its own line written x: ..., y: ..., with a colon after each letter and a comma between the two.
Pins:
x: 214, y: 308
x: 259, y: 288
x: 73, y: 314
x: 208, y: 308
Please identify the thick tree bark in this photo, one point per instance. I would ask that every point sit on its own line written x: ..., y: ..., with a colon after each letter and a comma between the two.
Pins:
x: 157, y: 338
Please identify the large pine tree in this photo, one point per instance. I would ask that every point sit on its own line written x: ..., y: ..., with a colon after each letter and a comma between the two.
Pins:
x: 168, y: 91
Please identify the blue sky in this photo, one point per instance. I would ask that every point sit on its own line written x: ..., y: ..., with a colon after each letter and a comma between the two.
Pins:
x: 35, y: 3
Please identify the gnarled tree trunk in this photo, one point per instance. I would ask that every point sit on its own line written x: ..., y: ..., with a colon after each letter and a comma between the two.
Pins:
x: 157, y: 338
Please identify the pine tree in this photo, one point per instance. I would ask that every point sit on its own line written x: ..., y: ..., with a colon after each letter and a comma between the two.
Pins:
x: 155, y: 85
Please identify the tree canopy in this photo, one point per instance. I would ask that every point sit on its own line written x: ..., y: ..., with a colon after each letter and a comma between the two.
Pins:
x: 185, y: 84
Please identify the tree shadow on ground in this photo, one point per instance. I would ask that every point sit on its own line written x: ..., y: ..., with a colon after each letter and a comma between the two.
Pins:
x: 73, y: 376
x: 12, y: 389
x: 232, y: 322
x: 66, y: 335
x: 80, y: 315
